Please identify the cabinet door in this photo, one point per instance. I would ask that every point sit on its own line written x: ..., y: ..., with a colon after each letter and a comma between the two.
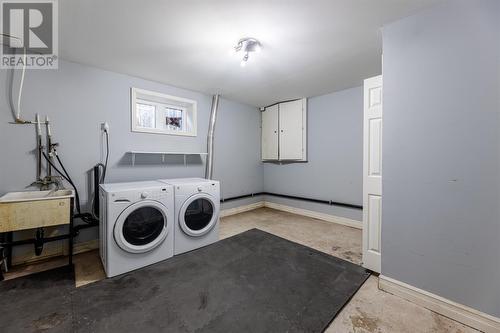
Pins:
x: 292, y: 130
x: 270, y: 133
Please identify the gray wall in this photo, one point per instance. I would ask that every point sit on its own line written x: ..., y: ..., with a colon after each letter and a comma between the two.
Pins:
x: 78, y: 98
x: 334, y: 170
x: 441, y: 182
x: 237, y: 150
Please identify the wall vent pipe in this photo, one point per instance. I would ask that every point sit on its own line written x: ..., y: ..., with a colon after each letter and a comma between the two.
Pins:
x: 209, y: 167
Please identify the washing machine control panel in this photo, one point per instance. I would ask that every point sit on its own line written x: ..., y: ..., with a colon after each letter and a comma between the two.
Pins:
x: 155, y: 194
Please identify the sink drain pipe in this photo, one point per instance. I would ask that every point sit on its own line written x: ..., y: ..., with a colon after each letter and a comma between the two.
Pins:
x: 209, y: 165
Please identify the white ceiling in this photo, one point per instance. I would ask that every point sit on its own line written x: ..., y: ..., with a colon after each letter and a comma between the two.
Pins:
x: 310, y: 47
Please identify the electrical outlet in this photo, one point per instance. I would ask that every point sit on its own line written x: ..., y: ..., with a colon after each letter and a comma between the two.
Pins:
x: 105, y: 127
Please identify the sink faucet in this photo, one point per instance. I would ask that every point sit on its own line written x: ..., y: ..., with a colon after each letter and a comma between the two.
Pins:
x: 58, y: 186
x: 46, y: 182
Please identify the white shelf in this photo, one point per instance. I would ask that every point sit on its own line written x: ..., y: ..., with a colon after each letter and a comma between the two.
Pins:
x: 163, y: 154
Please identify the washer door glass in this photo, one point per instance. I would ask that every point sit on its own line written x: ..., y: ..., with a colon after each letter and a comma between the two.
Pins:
x: 141, y: 227
x: 198, y: 215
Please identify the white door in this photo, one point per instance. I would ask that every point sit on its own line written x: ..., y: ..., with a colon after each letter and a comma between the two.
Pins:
x: 291, y: 130
x: 372, y: 173
x: 270, y: 133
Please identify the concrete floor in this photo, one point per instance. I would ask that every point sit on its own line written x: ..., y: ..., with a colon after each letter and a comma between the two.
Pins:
x: 369, y: 311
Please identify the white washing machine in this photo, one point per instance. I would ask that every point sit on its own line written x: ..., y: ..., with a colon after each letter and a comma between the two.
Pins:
x: 197, y: 207
x: 137, y: 225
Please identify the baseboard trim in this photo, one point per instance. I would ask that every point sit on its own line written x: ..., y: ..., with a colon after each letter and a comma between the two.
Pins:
x: 461, y: 313
x: 241, y: 209
x: 86, y: 246
x: 55, y: 249
x: 320, y: 216
x: 299, y: 211
x: 50, y: 250
x: 60, y: 247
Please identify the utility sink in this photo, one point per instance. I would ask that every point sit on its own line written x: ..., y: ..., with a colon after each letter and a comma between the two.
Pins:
x: 34, y: 209
x: 36, y: 195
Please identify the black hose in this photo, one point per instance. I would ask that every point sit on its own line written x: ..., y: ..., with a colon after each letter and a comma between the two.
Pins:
x: 55, y: 168
x: 86, y: 217
x: 66, y: 177
x: 77, y: 196
x: 66, y: 172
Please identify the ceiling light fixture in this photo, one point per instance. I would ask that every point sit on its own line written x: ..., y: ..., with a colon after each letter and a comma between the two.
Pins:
x: 247, y: 46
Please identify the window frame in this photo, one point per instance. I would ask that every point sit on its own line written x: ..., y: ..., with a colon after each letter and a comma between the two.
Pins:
x: 143, y: 96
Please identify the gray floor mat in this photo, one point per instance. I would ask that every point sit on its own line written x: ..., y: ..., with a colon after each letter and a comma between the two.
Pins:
x: 251, y: 282
x: 39, y: 302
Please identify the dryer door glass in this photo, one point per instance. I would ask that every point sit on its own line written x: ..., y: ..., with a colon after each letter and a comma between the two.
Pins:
x: 143, y: 225
x: 198, y: 214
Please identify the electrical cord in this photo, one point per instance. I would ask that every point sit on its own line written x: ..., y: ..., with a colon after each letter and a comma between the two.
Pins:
x: 100, y: 165
x: 92, y: 200
x: 105, y: 166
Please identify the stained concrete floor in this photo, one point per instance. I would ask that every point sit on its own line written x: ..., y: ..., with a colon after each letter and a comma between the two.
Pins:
x: 369, y: 311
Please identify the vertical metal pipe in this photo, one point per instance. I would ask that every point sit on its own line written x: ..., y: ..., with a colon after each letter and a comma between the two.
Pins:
x: 49, y: 147
x: 39, y: 148
x: 209, y: 165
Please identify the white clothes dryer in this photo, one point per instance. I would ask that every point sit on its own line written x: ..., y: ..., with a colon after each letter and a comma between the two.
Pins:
x: 197, y: 207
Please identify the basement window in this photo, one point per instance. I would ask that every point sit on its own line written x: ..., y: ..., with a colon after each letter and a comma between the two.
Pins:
x: 157, y: 113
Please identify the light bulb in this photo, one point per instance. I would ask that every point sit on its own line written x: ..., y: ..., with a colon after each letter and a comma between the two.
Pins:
x: 246, y: 46
x: 234, y: 50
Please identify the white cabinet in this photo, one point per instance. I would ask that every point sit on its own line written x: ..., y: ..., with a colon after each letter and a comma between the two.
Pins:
x: 284, y: 131
x: 270, y: 133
